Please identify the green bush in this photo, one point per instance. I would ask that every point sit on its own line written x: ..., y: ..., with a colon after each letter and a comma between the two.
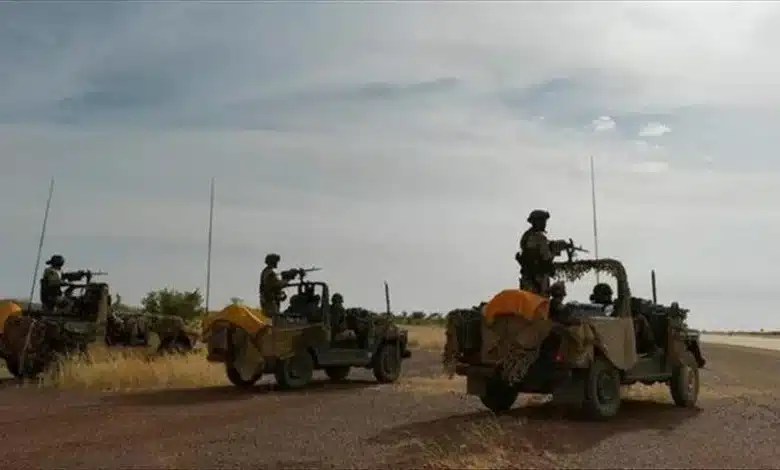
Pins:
x: 185, y: 304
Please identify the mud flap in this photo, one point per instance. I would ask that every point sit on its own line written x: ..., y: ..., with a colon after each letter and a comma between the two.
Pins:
x: 217, y: 345
x: 247, y: 359
x: 570, y: 393
x: 476, y: 385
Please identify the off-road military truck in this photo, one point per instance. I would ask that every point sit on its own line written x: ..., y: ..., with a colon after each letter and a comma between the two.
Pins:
x: 513, y: 346
x: 35, y: 338
x: 157, y: 333
x: 300, y: 340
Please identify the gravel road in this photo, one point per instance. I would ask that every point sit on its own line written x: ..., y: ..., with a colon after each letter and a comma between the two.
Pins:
x: 426, y: 417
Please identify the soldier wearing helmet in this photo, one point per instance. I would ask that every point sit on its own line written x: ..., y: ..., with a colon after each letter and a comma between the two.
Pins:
x: 338, y: 319
x: 602, y: 295
x: 52, y: 282
x: 271, y: 286
x: 536, y: 254
x: 557, y: 294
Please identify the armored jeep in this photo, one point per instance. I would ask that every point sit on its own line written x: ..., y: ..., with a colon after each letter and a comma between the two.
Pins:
x: 300, y: 339
x: 514, y: 346
x: 34, y: 339
x: 157, y: 333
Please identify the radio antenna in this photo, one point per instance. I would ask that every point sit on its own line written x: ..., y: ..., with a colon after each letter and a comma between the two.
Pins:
x: 208, y: 256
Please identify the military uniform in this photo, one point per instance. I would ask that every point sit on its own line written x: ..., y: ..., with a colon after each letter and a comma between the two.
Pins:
x: 51, y: 283
x: 270, y: 286
x: 557, y: 294
x: 338, y: 314
x: 535, y: 256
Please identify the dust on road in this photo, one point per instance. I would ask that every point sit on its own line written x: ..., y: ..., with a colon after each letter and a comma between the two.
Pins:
x: 364, y: 425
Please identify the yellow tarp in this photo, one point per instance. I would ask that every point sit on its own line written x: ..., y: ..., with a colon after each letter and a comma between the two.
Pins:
x: 517, y: 302
x: 8, y: 309
x: 250, y: 319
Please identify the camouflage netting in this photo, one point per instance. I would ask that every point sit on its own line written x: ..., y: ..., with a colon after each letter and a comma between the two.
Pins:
x: 462, y: 331
x: 510, y: 342
x: 575, y: 270
x: 513, y: 343
x: 49, y: 335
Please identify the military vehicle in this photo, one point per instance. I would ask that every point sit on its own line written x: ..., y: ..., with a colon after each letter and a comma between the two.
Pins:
x: 89, y: 317
x: 157, y: 333
x: 34, y: 338
x: 300, y: 340
x: 513, y: 346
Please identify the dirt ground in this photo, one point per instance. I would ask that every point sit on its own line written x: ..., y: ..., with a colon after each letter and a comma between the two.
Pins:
x: 424, y: 421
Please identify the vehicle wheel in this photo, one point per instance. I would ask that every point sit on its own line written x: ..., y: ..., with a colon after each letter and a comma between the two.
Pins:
x: 177, y: 346
x: 337, y: 373
x: 602, y: 390
x: 295, y: 372
x: 387, y: 363
x: 236, y: 379
x: 499, y: 396
x: 685, y: 382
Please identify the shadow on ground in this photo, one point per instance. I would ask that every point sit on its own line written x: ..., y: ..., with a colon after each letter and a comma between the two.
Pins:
x: 539, y: 429
x: 196, y: 396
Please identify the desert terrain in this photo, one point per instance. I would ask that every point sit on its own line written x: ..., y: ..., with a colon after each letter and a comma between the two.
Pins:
x: 425, y: 421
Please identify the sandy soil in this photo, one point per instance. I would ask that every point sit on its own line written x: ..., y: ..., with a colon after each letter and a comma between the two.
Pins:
x: 743, y: 340
x: 424, y: 419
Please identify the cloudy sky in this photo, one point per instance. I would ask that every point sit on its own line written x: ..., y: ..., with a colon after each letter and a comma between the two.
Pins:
x: 400, y: 141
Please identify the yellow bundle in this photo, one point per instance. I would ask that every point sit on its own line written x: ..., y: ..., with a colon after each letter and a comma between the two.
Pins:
x: 519, y: 303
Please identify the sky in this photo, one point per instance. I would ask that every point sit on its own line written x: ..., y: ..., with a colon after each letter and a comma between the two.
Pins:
x: 398, y: 141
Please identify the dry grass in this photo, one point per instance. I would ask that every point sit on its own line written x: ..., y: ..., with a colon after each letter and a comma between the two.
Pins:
x: 127, y: 369
x: 430, y: 337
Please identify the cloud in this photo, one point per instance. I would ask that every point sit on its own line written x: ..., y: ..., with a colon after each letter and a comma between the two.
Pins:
x: 358, y: 138
x: 651, y: 167
x: 603, y: 123
x: 654, y: 129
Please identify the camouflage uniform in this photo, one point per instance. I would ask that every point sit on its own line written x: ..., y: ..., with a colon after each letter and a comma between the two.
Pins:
x: 338, y: 316
x: 557, y: 294
x: 270, y: 286
x: 535, y: 256
x: 51, y: 284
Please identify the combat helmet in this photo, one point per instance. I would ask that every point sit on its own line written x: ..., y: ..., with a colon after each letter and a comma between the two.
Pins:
x: 601, y: 291
x: 337, y: 298
x: 270, y: 258
x: 56, y: 261
x: 538, y: 214
x: 558, y: 289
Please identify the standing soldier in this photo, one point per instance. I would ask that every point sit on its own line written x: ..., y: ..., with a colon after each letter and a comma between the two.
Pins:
x: 536, y: 254
x: 271, y: 286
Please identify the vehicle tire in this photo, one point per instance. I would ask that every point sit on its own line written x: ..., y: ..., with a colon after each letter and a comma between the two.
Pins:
x: 236, y: 379
x: 337, y: 373
x: 602, y: 390
x: 176, y: 346
x: 387, y: 363
x: 295, y: 372
x: 499, y: 396
x: 684, y: 384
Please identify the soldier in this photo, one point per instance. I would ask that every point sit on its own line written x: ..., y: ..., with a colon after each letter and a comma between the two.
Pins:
x: 52, y: 283
x: 557, y: 294
x: 271, y: 286
x: 602, y: 295
x: 536, y: 254
x: 338, y: 319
